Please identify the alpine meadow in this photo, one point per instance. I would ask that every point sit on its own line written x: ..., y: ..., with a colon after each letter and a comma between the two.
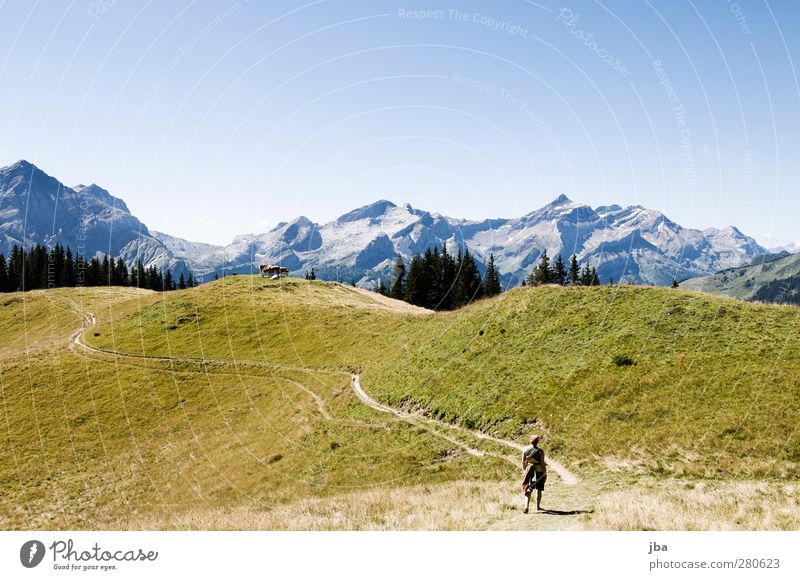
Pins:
x: 248, y: 403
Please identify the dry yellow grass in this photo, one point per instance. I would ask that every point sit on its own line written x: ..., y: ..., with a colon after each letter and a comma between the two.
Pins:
x: 462, y: 505
x: 705, y: 505
x: 452, y: 506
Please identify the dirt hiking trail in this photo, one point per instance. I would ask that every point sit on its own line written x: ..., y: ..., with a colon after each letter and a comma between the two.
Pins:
x: 563, y: 473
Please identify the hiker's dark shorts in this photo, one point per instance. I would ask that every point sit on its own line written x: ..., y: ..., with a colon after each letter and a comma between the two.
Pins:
x: 530, y: 475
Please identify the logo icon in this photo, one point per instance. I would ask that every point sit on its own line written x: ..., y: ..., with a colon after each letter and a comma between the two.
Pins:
x: 31, y: 553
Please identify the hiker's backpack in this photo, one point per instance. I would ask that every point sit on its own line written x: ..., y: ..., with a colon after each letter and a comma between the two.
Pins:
x: 534, y: 456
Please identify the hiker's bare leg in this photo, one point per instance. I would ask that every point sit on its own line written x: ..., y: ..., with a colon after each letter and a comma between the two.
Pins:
x: 527, y: 502
x: 538, y: 499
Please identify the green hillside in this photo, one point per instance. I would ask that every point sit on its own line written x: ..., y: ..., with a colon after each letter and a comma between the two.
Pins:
x: 768, y: 279
x: 96, y: 440
x: 708, y: 374
x: 230, y: 405
x: 676, y: 382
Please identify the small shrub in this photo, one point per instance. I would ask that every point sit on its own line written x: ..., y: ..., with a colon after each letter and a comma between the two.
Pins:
x: 623, y: 360
x: 275, y: 458
x: 334, y: 446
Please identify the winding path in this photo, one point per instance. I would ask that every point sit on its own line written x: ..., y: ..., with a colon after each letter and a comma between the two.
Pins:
x: 569, y: 478
x: 563, y: 473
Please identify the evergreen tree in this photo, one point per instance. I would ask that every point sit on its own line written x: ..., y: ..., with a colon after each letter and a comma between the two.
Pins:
x: 55, y: 267
x: 155, y: 281
x: 120, y: 273
x: 81, y: 268
x: 190, y: 282
x: 169, y: 283
x: 585, y: 278
x: 139, y: 278
x: 104, y: 279
x: 574, y: 270
x: 70, y: 279
x: 447, y: 279
x: 491, y: 280
x: 181, y: 282
x: 94, y: 274
x: 468, y: 280
x: 415, y: 283
x: 36, y: 268
x: 18, y: 267
x: 594, y: 279
x: 542, y: 273
x: 559, y: 271
x: 432, y: 280
x: 4, y: 279
x: 380, y: 287
x: 398, y: 286
x: 124, y: 275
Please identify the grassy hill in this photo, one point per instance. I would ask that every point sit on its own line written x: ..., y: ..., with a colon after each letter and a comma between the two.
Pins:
x: 98, y: 440
x: 230, y: 406
x: 695, y: 376
x: 768, y: 279
x: 676, y: 382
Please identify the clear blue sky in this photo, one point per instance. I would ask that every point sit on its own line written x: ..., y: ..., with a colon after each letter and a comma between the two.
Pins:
x: 213, y: 119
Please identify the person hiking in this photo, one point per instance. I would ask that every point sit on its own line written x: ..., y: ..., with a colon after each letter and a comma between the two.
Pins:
x: 535, y: 469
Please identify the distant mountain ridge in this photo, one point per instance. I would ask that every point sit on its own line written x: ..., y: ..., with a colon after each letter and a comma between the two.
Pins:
x: 628, y: 244
x: 36, y: 208
x: 770, y: 278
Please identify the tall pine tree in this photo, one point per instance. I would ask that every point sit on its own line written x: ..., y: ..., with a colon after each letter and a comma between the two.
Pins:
x: 559, y: 271
x: 491, y: 280
x: 398, y: 287
x: 415, y: 282
x: 447, y: 279
x: 595, y: 279
x: 4, y: 280
x: 542, y: 273
x: 70, y: 279
x: 468, y: 285
x: 574, y: 270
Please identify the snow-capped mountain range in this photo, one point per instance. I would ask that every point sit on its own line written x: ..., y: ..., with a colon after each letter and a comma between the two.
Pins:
x: 625, y: 243
x: 38, y: 209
